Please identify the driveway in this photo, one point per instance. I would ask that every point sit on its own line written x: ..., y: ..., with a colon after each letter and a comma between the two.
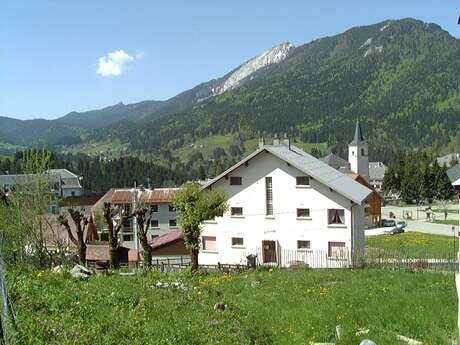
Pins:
x: 431, y: 228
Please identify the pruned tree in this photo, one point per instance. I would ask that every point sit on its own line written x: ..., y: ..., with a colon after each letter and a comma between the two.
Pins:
x: 143, y: 216
x: 195, y: 206
x: 81, y: 223
x: 114, y: 226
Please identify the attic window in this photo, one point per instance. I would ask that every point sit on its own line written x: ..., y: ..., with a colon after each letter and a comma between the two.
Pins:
x: 236, y: 180
x: 302, y: 180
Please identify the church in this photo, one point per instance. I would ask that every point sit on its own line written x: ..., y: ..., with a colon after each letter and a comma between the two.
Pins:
x: 357, y: 167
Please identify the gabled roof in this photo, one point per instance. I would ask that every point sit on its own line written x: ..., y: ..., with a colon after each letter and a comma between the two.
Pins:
x: 454, y: 175
x: 359, y: 138
x: 166, y: 239
x: 311, y: 166
x: 335, y: 161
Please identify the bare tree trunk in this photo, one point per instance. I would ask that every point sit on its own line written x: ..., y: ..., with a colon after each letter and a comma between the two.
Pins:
x: 113, y: 256
x: 147, y: 251
x: 194, y: 259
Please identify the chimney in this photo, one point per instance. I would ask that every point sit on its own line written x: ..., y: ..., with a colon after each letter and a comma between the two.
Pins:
x: 276, y: 141
x: 287, y: 141
x: 261, y: 142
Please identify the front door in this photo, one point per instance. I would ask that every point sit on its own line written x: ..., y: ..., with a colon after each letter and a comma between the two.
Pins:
x: 269, y: 251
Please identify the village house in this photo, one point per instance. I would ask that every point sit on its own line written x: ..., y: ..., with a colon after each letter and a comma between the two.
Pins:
x: 61, y: 183
x: 376, y: 174
x: 286, y: 207
x: 164, y: 217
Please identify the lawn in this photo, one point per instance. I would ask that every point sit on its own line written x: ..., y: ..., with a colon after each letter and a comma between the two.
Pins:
x: 447, y: 221
x: 263, y: 307
x: 415, y: 243
x: 207, y: 145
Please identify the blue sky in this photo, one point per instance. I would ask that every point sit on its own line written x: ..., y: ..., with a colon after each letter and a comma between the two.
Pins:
x: 51, y: 51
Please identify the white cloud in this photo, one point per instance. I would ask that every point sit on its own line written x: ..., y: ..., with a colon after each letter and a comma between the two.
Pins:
x: 114, y: 64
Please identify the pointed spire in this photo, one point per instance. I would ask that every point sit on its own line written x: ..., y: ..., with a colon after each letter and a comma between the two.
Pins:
x: 359, y: 138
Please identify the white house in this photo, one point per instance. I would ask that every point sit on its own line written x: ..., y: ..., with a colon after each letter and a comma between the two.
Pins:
x: 286, y: 207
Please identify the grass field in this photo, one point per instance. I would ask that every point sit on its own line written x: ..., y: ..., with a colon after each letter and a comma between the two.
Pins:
x: 414, y: 243
x: 447, y: 221
x: 208, y: 144
x: 264, y: 307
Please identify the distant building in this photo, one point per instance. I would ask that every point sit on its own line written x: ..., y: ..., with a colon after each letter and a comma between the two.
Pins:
x: 373, y: 205
x: 336, y: 162
x: 448, y: 159
x: 62, y: 183
x: 164, y: 217
x: 82, y: 203
x: 376, y: 174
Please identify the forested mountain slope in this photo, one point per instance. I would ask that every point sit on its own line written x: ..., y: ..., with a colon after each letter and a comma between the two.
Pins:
x: 401, y: 78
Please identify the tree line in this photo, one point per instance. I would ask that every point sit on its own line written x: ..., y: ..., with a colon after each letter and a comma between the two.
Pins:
x: 417, y: 177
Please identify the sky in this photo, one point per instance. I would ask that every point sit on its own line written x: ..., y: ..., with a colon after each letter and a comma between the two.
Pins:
x: 63, y: 56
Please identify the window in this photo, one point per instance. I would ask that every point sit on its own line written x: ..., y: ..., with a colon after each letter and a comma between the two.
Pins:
x: 172, y: 223
x: 127, y: 237
x: 236, y: 180
x: 171, y: 208
x: 154, y: 208
x: 336, y: 216
x: 154, y: 236
x: 362, y: 152
x: 336, y: 249
x: 303, y: 244
x: 237, y: 241
x: 209, y: 243
x: 303, y: 212
x: 73, y: 193
x: 236, y: 211
x: 154, y: 223
x: 302, y: 180
x: 269, y: 196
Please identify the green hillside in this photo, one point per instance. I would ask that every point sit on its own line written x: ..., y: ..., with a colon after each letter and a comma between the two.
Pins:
x: 399, y: 77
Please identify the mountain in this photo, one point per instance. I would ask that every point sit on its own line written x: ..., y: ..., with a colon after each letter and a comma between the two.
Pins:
x: 73, y: 127
x: 400, y: 77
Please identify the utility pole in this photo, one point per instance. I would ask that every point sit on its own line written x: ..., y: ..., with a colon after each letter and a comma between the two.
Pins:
x: 134, y: 193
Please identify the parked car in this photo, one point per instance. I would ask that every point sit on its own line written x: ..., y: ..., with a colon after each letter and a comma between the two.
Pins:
x: 401, y: 224
x: 388, y: 222
x: 396, y: 230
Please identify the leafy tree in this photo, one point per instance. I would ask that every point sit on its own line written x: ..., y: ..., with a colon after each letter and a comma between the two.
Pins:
x: 81, y: 223
x: 444, y: 186
x: 195, y: 206
x: 218, y: 152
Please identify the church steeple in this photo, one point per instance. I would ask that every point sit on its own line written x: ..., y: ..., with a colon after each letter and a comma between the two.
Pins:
x: 359, y: 138
x: 358, y: 153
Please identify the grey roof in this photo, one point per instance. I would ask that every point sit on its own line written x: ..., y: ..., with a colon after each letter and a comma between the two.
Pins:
x: 313, y: 167
x: 359, y: 138
x: 454, y: 174
x: 336, y: 162
x: 65, y: 177
x: 377, y: 171
x: 447, y: 159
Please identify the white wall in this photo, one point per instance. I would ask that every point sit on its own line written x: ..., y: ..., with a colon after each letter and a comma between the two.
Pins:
x: 163, y: 216
x: 283, y: 227
x: 359, y: 163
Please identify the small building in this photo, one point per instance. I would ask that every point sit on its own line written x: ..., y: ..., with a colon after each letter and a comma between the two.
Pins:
x: 170, y: 248
x: 376, y: 174
x: 82, y: 203
x: 373, y: 205
x: 97, y: 254
x: 61, y: 183
x: 448, y: 159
